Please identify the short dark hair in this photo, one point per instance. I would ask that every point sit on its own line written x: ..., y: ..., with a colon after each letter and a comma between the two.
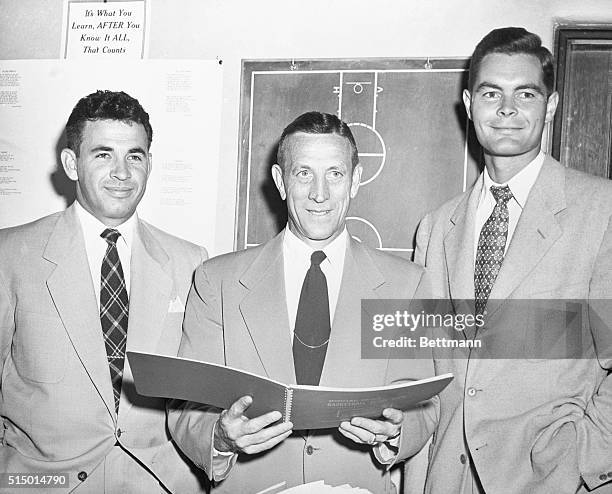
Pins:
x: 104, y: 105
x: 315, y: 122
x: 513, y: 41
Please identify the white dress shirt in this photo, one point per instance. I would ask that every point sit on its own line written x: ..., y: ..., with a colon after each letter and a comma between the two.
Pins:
x: 95, y: 246
x: 296, y: 262
x: 520, y: 186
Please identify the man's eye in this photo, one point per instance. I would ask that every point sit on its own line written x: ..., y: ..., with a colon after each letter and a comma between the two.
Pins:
x: 303, y: 174
x: 135, y: 157
x: 490, y: 95
x: 103, y: 155
x: 526, y: 95
x: 335, y: 174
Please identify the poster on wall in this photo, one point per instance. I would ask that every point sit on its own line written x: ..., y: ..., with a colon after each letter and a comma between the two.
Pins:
x: 183, y: 99
x: 109, y: 30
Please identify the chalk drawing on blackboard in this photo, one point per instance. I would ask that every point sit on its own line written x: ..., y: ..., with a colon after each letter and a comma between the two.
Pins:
x: 411, y: 131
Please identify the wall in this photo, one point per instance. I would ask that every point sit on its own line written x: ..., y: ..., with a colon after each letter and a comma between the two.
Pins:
x: 285, y: 29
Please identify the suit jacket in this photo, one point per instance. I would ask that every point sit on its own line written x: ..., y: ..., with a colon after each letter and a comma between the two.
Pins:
x: 237, y: 315
x: 529, y: 425
x: 56, y: 397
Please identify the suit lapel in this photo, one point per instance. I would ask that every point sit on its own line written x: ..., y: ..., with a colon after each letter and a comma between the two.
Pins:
x: 70, y: 287
x: 536, y: 231
x: 264, y: 310
x: 459, y: 246
x: 150, y: 294
x: 360, y: 279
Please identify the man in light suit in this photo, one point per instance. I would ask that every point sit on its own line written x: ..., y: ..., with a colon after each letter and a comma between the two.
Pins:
x: 61, y: 410
x: 245, y: 309
x: 521, y: 422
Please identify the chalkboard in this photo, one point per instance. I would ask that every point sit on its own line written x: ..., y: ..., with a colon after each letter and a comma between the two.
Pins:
x: 414, y: 140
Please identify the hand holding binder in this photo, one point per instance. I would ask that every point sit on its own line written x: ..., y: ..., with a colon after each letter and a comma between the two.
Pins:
x: 234, y: 432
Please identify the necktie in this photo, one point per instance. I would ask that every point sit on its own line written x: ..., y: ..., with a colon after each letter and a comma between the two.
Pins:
x: 312, y: 327
x: 113, y: 310
x: 491, y: 245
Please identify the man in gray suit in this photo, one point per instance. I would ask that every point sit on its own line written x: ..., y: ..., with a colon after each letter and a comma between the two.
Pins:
x: 528, y: 229
x: 69, y: 284
x: 245, y: 310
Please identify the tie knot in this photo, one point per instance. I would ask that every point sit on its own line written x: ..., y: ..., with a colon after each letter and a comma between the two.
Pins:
x: 501, y: 194
x: 110, y: 235
x: 317, y: 257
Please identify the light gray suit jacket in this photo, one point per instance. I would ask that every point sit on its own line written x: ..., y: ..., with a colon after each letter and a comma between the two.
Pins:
x: 530, y: 425
x: 237, y: 315
x: 56, y: 398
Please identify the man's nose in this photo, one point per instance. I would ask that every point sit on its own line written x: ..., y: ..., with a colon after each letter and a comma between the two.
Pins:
x: 319, y: 190
x: 121, y: 169
x: 507, y: 107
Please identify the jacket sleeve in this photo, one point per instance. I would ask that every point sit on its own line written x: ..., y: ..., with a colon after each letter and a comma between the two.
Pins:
x: 594, y: 429
x: 192, y: 424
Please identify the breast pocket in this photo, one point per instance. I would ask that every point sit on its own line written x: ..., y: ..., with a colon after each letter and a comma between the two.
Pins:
x: 40, y: 347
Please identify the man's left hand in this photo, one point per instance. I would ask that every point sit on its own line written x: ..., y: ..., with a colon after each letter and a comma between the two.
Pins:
x: 372, y: 431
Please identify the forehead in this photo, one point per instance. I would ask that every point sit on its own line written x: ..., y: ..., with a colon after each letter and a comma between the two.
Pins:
x: 510, y: 70
x: 318, y: 150
x: 114, y: 133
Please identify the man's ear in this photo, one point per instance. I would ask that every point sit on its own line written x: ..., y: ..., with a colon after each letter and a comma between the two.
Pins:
x: 69, y: 162
x: 467, y: 101
x: 551, y: 106
x: 277, y: 176
x: 356, y: 179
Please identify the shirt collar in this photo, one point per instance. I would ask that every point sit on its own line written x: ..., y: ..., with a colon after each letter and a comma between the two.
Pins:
x: 521, y: 184
x: 93, y: 227
x: 334, y: 251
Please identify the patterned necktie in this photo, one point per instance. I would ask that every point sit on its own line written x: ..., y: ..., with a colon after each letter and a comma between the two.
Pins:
x: 312, y: 328
x: 491, y: 246
x: 113, y: 310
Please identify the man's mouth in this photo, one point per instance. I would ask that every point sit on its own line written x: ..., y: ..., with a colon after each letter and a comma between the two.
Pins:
x: 119, y: 192
x: 319, y: 212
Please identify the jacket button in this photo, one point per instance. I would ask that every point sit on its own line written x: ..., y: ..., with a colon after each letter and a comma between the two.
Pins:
x: 82, y: 476
x: 309, y: 450
x: 462, y: 459
x: 471, y: 392
x: 603, y: 476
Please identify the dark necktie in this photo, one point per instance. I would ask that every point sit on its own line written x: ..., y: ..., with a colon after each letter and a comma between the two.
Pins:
x: 312, y: 327
x: 491, y: 246
x: 113, y: 310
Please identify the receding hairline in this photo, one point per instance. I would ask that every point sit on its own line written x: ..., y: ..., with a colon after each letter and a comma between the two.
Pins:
x: 286, y: 144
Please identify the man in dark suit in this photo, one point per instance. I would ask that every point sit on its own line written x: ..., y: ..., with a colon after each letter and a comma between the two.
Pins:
x: 69, y: 284
x: 529, y: 229
x: 250, y: 309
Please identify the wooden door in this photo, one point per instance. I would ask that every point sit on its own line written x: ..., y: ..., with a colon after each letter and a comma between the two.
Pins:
x: 582, y: 137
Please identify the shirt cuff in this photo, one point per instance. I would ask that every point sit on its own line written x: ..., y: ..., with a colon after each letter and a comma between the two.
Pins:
x: 386, y: 453
x: 222, y: 461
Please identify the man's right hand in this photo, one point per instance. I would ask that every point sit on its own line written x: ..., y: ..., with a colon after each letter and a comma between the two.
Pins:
x: 234, y: 432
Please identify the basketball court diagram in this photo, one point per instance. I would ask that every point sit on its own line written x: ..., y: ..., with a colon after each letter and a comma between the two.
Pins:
x: 411, y: 140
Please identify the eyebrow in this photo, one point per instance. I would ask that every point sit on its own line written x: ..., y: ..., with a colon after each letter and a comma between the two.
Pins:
x: 135, y: 150
x: 491, y: 85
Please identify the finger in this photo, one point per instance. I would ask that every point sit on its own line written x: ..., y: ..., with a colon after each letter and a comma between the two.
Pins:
x: 270, y: 443
x: 393, y: 415
x: 361, y: 435
x: 350, y: 435
x: 372, y: 426
x: 258, y: 423
x: 239, y: 407
x: 264, y: 436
